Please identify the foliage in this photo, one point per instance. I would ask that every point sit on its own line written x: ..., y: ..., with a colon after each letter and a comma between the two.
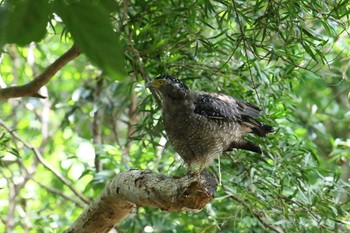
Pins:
x: 288, y: 57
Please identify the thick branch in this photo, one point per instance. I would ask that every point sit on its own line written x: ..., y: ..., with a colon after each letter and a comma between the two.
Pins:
x: 31, y: 88
x: 143, y: 188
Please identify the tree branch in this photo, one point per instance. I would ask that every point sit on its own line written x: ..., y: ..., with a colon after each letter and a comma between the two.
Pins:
x: 59, y: 193
x: 256, y: 215
x: 45, y: 163
x: 31, y: 88
x: 143, y: 188
x: 96, y: 126
x: 133, y: 119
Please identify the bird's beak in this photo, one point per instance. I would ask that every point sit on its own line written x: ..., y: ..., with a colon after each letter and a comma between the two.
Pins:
x: 149, y: 84
x: 156, y: 83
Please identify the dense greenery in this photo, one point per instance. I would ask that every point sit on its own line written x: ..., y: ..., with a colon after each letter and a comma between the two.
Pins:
x: 288, y: 57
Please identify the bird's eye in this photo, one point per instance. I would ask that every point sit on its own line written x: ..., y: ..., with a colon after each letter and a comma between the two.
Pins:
x: 160, y: 82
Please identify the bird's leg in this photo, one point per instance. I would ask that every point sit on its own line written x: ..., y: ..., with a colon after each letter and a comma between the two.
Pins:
x: 193, y: 170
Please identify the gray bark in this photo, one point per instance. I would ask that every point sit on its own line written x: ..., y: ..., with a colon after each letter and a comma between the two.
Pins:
x: 144, y: 188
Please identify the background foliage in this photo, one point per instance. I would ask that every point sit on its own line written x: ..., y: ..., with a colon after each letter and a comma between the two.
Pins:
x: 288, y: 57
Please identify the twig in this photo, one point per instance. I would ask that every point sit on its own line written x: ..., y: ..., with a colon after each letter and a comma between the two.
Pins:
x: 96, y: 130
x: 133, y: 119
x: 44, y: 163
x: 11, y: 208
x: 245, y: 50
x: 59, y: 193
x: 115, y: 115
x: 230, y: 57
x: 256, y: 215
x: 137, y: 64
x: 31, y: 88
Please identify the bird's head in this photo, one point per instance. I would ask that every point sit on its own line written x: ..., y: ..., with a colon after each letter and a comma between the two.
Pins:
x: 169, y: 87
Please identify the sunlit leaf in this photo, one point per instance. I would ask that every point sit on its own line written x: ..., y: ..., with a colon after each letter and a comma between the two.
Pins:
x: 93, y: 33
x: 23, y: 21
x: 14, y: 151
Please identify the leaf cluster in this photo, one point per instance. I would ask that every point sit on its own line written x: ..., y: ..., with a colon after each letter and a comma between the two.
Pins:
x: 23, y: 22
x: 290, y: 58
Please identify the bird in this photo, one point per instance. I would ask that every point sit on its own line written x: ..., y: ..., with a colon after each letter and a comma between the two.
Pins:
x: 202, y: 126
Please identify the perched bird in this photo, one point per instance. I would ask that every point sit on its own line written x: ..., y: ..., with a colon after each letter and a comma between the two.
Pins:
x: 201, y: 126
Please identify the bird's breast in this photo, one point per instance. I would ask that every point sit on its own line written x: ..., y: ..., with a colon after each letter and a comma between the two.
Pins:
x: 198, y: 139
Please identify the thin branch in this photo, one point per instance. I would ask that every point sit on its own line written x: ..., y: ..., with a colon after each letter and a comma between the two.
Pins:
x: 32, y: 88
x: 133, y: 119
x: 44, y: 163
x: 9, y: 219
x: 96, y: 130
x: 230, y: 57
x: 112, y: 120
x: 256, y: 215
x: 245, y: 49
x: 14, y: 188
x: 59, y: 193
x: 137, y: 61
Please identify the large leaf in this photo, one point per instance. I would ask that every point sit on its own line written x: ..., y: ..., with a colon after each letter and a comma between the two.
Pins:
x: 23, y: 21
x: 90, y: 25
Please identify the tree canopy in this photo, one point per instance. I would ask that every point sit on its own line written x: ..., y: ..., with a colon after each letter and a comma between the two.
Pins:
x: 75, y: 112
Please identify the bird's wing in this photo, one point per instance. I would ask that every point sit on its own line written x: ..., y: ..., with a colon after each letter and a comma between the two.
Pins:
x: 219, y: 106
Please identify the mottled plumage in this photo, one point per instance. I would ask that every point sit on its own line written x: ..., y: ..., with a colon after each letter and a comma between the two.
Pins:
x: 201, y: 126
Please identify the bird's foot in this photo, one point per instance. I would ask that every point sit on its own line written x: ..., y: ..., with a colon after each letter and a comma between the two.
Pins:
x: 195, y: 172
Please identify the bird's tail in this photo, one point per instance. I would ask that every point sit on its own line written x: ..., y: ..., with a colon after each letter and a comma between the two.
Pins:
x: 245, y: 145
x: 257, y: 128
x: 263, y: 130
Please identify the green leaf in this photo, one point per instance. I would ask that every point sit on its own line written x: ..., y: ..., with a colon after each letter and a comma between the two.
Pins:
x: 93, y: 34
x: 110, y: 5
x: 3, y: 19
x: 14, y: 151
x: 24, y: 21
x: 309, y: 51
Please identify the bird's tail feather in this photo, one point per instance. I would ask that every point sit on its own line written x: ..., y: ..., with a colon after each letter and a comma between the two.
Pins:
x: 257, y: 128
x: 249, y: 110
x: 245, y: 145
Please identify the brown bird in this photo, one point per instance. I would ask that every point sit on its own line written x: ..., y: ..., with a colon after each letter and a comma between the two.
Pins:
x: 201, y: 126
